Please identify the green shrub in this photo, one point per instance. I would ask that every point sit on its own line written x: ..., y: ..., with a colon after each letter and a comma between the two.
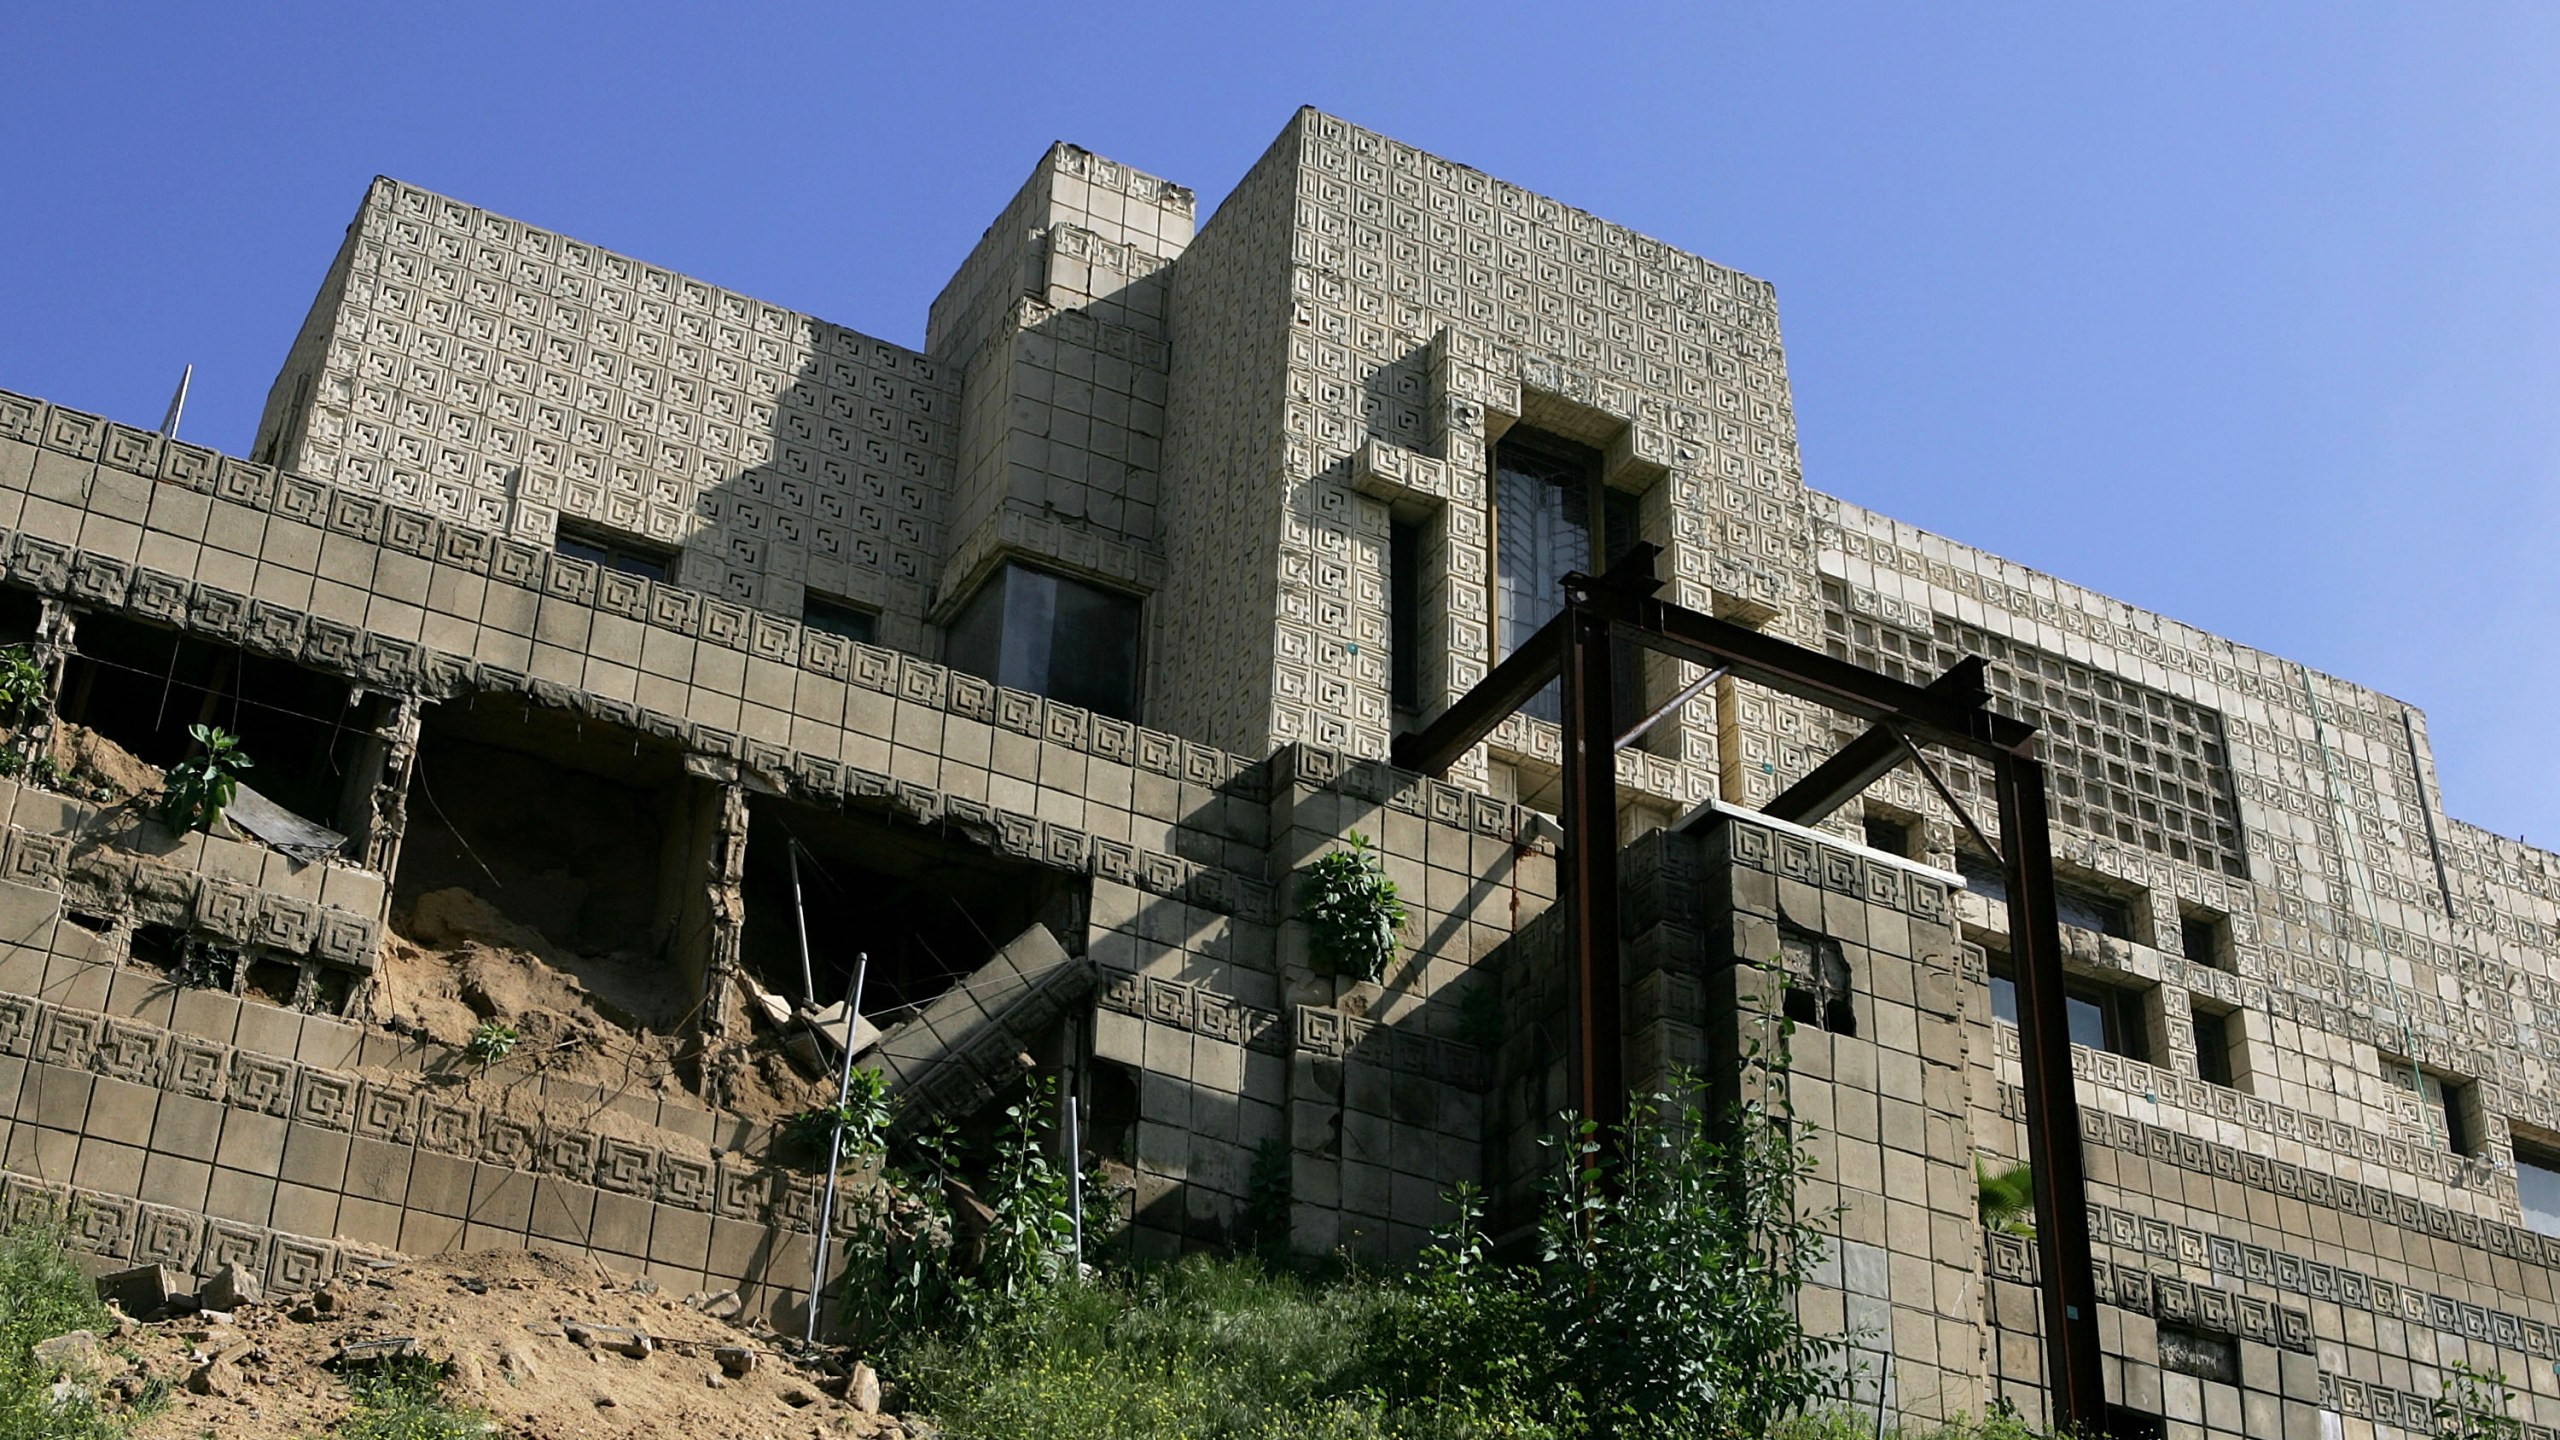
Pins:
x: 1352, y: 913
x: 43, y: 1294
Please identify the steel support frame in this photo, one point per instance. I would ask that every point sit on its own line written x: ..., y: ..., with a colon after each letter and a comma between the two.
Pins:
x: 1576, y: 648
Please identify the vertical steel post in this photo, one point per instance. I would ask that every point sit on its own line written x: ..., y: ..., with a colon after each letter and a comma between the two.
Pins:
x: 1595, y: 1025
x: 2074, y: 1379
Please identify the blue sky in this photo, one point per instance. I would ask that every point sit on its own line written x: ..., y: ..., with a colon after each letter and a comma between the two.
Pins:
x: 2247, y: 314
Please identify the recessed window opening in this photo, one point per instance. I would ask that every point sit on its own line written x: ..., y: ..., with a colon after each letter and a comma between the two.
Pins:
x: 273, y: 981
x: 1547, y: 494
x: 2450, y: 1098
x: 20, y: 610
x: 2538, y: 1182
x: 142, y: 687
x: 1892, y: 835
x: 2100, y: 1016
x: 615, y: 550
x: 835, y: 617
x: 2215, y: 1036
x: 1030, y: 630
x: 2186, y: 1350
x: 2206, y: 937
x: 1404, y: 613
x: 927, y: 910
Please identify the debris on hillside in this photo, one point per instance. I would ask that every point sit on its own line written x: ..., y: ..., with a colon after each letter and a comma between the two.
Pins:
x: 547, y: 1347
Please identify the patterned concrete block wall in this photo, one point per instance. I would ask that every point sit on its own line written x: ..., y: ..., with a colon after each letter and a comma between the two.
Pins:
x: 484, y: 370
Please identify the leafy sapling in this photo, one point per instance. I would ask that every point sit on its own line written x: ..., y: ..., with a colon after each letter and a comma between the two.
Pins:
x: 201, y: 786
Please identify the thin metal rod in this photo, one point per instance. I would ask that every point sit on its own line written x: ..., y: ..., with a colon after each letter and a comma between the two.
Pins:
x: 835, y: 1144
x: 1963, y: 816
x: 800, y: 917
x: 1687, y: 693
x: 177, y: 404
x: 1075, y: 1138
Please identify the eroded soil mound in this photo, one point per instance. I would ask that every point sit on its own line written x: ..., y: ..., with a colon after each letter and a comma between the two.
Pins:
x: 548, y: 1348
x: 453, y: 962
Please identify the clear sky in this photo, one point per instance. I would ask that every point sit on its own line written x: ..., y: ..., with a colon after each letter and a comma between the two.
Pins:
x: 2249, y: 314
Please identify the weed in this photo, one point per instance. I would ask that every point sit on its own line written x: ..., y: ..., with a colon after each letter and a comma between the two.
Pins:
x: 403, y: 1400
x: 201, y: 787
x: 491, y: 1042
x: 25, y: 690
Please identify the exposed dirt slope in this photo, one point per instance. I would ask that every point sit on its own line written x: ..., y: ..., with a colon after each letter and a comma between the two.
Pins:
x: 454, y: 961
x: 543, y: 1345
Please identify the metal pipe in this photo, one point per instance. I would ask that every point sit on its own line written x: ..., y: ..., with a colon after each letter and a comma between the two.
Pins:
x: 1075, y: 1139
x: 835, y: 1145
x: 800, y: 917
x: 1687, y: 693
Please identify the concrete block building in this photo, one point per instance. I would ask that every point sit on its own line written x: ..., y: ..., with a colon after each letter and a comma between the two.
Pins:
x: 1065, y: 643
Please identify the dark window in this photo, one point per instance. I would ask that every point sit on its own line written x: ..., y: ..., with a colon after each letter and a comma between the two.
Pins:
x: 2213, y: 1045
x: 1545, y: 493
x: 2205, y: 937
x: 2102, y: 1017
x: 1404, y: 613
x: 2126, y: 1423
x: 2200, y: 1353
x: 837, y: 618
x: 615, y: 551
x: 2074, y: 905
x: 1062, y: 638
x: 2538, y: 1186
x: 2106, y: 1018
x: 1893, y: 837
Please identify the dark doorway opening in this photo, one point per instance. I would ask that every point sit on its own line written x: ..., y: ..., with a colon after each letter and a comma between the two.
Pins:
x: 304, y: 730
x: 928, y: 909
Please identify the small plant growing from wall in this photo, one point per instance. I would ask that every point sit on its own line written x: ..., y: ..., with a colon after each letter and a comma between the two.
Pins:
x: 865, y: 1116
x: 204, y: 965
x: 1352, y: 912
x: 23, y: 686
x: 491, y: 1042
x: 201, y: 786
x: 2475, y: 1405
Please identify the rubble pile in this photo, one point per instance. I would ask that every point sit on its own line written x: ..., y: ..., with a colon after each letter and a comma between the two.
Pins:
x: 548, y: 1348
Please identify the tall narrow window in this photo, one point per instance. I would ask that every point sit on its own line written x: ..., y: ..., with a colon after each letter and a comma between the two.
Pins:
x: 2213, y: 1046
x: 1404, y: 613
x: 1547, y: 492
x: 2538, y: 1185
